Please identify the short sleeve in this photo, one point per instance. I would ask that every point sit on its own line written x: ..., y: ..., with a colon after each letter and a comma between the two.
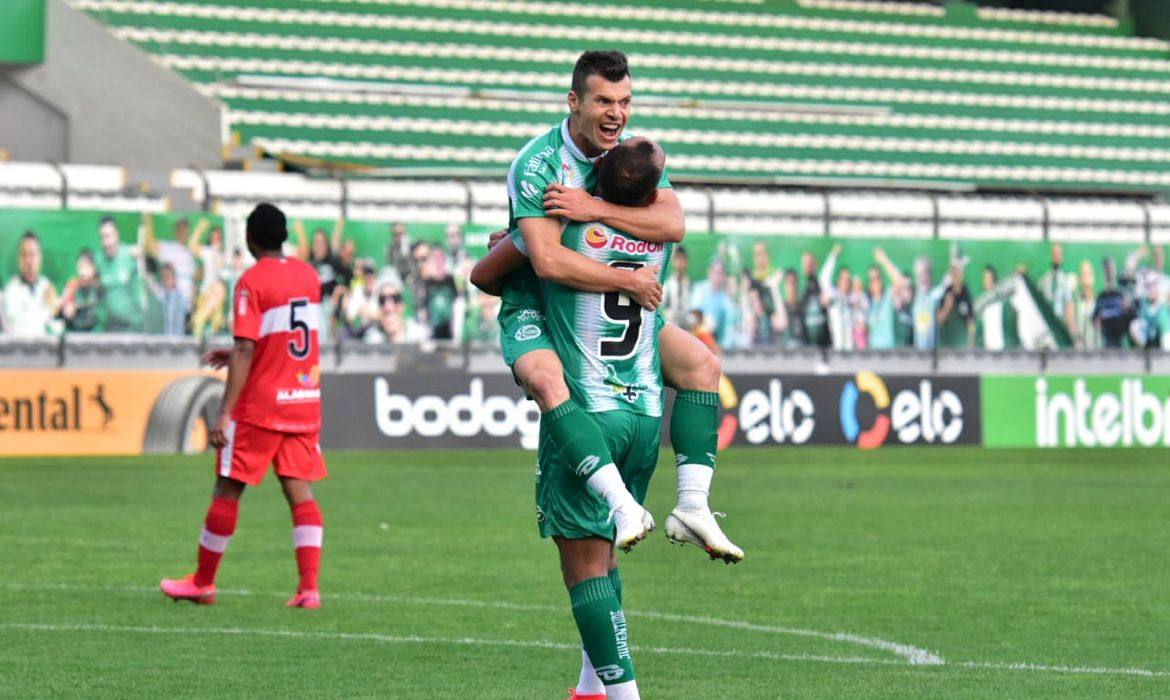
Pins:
x: 526, y: 183
x: 518, y: 241
x: 246, y: 311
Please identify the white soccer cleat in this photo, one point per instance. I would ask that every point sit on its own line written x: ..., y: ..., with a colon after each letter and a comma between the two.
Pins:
x: 701, y: 529
x: 633, y: 523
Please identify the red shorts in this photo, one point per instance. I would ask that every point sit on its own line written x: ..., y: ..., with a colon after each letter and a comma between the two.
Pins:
x: 250, y: 449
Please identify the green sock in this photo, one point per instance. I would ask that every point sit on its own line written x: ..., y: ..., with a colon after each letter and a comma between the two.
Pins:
x: 579, y: 439
x: 694, y: 426
x: 602, y: 625
x: 615, y: 578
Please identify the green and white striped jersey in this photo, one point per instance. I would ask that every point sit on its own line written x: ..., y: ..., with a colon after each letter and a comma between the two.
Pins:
x: 606, y: 342
x: 548, y: 158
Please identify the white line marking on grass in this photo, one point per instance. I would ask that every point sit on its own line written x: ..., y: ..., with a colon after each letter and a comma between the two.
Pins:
x: 911, y: 654
x: 415, y: 639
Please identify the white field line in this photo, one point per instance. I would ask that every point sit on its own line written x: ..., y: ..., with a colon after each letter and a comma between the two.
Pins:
x: 910, y: 654
x: 416, y: 639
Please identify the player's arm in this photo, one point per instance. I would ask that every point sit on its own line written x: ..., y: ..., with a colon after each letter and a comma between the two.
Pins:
x: 489, y: 273
x: 239, y: 365
x: 556, y: 263
x: 661, y: 221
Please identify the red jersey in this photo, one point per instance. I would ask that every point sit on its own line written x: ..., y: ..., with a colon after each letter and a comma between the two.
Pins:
x: 277, y: 304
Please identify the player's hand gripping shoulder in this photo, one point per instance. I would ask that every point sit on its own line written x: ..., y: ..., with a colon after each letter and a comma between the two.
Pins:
x: 660, y: 221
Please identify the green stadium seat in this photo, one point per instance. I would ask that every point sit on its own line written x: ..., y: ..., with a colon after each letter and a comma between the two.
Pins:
x: 839, y: 90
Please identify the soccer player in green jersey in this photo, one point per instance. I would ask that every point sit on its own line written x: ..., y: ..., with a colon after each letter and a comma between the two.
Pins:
x: 552, y: 178
x: 608, y: 347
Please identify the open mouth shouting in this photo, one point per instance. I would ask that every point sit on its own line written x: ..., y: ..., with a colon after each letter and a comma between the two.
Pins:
x: 609, y: 134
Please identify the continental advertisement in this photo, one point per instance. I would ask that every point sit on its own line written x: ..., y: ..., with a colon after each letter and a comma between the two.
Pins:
x: 106, y: 412
x: 864, y: 410
x: 1065, y: 411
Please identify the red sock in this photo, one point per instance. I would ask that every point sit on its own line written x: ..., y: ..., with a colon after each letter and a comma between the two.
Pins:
x: 217, y: 530
x: 307, y: 535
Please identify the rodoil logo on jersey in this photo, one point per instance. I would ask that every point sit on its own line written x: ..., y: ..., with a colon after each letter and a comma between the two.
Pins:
x: 595, y: 237
x: 912, y: 415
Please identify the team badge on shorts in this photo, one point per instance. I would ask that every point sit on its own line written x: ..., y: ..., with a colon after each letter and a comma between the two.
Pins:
x: 528, y: 332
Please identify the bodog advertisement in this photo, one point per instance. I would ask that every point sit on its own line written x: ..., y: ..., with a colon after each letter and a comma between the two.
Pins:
x: 453, y: 409
x: 106, y: 412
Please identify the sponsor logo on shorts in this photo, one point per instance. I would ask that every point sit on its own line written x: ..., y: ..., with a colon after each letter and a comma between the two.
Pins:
x: 530, y: 315
x: 680, y: 459
x: 540, y: 514
x: 528, y: 332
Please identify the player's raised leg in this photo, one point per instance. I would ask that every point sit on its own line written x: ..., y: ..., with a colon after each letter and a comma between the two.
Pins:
x: 581, y: 443
x: 693, y: 370
x: 597, y: 610
x: 218, y: 527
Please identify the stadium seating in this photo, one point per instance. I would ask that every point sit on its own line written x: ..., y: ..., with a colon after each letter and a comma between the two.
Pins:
x: 805, y: 91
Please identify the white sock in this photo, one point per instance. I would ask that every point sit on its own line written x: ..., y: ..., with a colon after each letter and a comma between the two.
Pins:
x: 589, y: 683
x: 623, y: 691
x: 607, y: 483
x: 694, y: 485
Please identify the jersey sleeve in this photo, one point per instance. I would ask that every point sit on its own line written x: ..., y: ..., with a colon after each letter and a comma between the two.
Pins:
x: 518, y: 241
x: 526, y: 183
x: 246, y: 311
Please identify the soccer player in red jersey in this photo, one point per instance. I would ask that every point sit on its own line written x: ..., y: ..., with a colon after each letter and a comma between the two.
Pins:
x: 271, y: 411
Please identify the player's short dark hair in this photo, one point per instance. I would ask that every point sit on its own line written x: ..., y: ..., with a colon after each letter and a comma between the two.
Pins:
x: 991, y: 268
x: 629, y: 174
x: 611, y: 65
x: 106, y: 220
x: 30, y: 236
x: 267, y: 227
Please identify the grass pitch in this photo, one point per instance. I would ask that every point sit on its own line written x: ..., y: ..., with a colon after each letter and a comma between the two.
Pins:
x: 1002, y: 574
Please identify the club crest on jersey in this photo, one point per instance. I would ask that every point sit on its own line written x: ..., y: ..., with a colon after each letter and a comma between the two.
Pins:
x: 528, y: 332
x: 596, y: 237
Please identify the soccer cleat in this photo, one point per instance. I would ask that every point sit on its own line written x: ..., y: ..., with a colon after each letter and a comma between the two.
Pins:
x: 185, y: 589
x: 632, y: 522
x: 309, y: 600
x: 574, y: 695
x: 700, y: 529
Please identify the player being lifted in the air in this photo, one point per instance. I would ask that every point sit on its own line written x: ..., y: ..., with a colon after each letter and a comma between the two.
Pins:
x: 553, y: 177
x: 271, y: 411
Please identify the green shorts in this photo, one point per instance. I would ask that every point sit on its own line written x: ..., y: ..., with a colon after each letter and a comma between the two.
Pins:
x: 522, y: 330
x: 565, y: 505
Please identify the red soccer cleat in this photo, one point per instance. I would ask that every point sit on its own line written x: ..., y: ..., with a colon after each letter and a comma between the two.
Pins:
x: 185, y: 589
x: 574, y: 695
x: 309, y: 600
